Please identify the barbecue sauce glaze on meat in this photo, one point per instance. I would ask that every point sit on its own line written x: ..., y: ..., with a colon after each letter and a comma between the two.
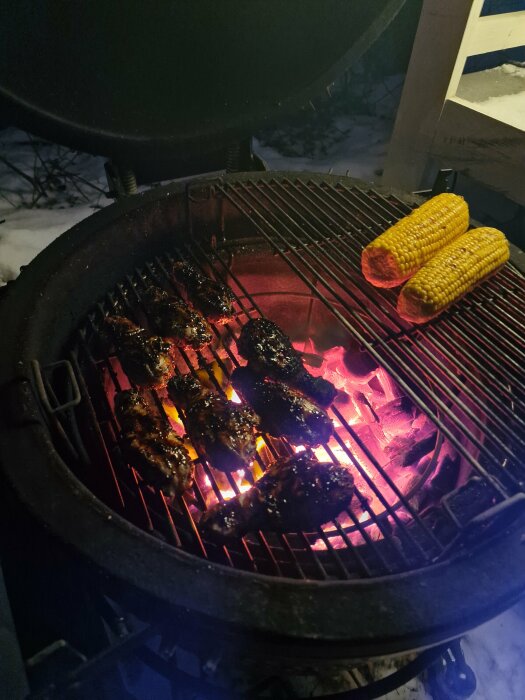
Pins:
x: 172, y: 318
x: 296, y: 493
x: 145, y: 359
x: 269, y: 352
x: 283, y: 411
x: 217, y: 428
x: 151, y: 446
x: 213, y: 299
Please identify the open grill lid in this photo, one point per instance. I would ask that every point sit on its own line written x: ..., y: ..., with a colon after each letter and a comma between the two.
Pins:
x: 169, y: 80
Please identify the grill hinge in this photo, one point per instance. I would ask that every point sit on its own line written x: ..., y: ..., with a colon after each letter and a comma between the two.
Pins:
x: 490, y: 522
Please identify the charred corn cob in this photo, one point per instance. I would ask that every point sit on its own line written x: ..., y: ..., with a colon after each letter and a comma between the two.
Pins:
x: 401, y: 250
x: 451, y: 273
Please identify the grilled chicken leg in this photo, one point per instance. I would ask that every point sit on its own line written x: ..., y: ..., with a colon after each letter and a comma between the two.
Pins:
x: 213, y: 299
x: 284, y: 412
x: 270, y: 352
x: 172, y: 318
x: 151, y: 446
x: 221, y: 430
x: 145, y: 359
x: 296, y: 493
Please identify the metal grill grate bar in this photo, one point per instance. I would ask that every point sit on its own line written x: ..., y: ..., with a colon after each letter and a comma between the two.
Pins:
x: 154, y: 277
x: 389, y: 510
x: 343, y: 245
x: 261, y: 212
x: 131, y: 312
x: 222, y: 275
x: 398, y: 560
x: 387, y: 297
x: 189, y: 253
x: 319, y: 231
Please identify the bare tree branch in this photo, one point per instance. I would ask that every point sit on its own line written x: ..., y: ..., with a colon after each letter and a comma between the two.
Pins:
x: 34, y: 183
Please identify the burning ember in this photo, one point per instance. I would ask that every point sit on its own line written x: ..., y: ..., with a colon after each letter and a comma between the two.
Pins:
x: 372, y: 420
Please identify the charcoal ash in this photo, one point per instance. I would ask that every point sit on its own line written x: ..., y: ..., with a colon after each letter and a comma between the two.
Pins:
x: 405, y: 451
x: 397, y: 416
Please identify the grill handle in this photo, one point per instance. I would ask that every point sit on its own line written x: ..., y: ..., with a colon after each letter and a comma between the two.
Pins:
x: 42, y: 391
x: 490, y: 520
x: 488, y: 523
x: 62, y: 424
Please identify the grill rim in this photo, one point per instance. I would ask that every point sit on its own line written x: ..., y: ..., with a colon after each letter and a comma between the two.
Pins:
x: 360, y: 620
x: 366, y: 617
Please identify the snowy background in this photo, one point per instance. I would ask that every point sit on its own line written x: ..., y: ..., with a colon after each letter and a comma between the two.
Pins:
x: 44, y: 190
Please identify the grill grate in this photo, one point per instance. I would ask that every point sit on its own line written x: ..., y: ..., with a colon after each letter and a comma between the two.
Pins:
x: 463, y: 371
x: 282, y: 218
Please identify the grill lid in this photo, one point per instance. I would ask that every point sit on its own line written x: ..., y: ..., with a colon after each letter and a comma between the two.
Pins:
x: 155, y: 80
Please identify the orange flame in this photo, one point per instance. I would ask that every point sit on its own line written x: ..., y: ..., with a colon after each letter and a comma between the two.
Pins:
x: 359, y: 402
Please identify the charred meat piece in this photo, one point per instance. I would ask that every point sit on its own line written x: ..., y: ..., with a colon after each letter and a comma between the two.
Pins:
x: 270, y: 352
x: 283, y: 411
x: 151, y: 446
x: 145, y: 359
x: 219, y: 429
x: 296, y: 493
x: 213, y: 299
x: 172, y: 318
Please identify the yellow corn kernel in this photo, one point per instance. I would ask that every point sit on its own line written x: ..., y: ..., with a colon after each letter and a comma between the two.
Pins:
x: 401, y: 250
x: 451, y: 273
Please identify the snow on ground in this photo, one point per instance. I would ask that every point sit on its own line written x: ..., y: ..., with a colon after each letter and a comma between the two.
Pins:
x: 361, y: 153
x: 28, y: 231
x: 498, y: 92
x: 357, y: 142
x: 32, y: 220
x: 509, y: 109
x: 496, y: 652
x: 64, y: 188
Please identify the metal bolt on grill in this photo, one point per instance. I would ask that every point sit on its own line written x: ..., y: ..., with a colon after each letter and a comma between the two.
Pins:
x: 463, y: 371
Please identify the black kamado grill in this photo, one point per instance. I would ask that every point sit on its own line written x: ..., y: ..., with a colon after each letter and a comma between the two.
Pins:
x: 432, y: 542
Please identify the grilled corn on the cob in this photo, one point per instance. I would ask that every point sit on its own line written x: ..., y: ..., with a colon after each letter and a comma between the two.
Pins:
x: 401, y: 250
x: 451, y: 273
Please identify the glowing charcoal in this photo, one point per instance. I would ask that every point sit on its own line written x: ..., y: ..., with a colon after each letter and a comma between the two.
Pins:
x: 396, y: 434
x: 232, y: 395
x: 173, y: 415
x: 397, y: 416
